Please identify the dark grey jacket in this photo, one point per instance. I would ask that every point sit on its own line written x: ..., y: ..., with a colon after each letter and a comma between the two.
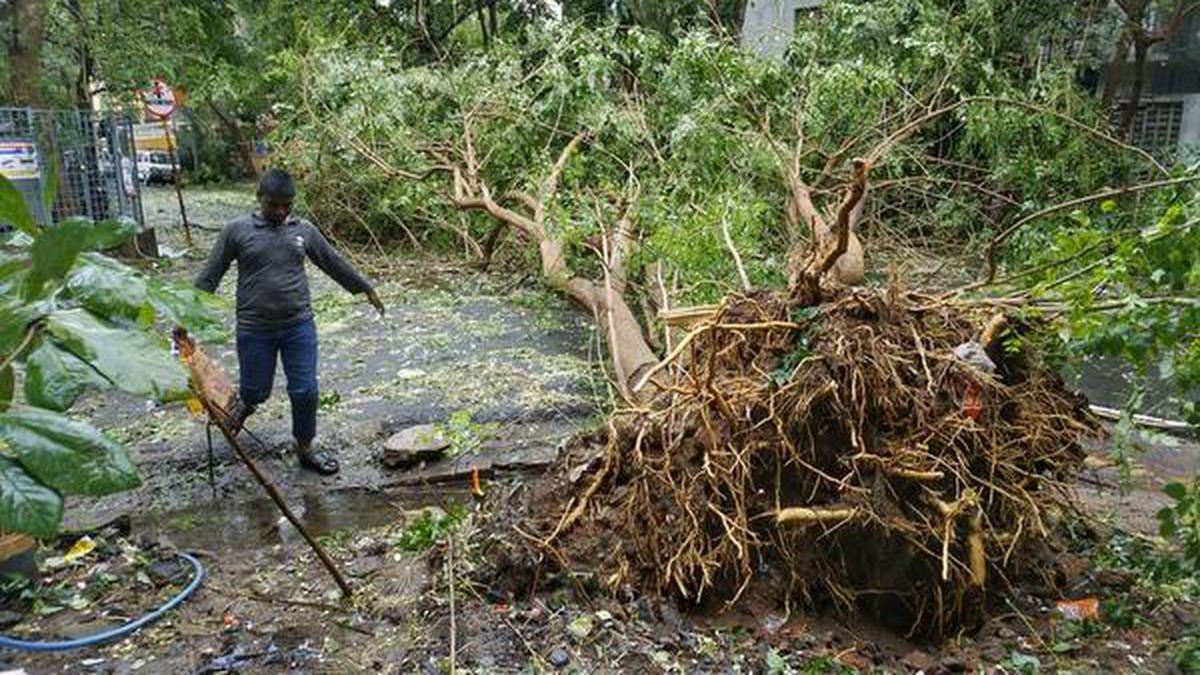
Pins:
x: 272, y: 289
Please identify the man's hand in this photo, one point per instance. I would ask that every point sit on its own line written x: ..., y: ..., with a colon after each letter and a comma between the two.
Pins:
x: 373, y: 298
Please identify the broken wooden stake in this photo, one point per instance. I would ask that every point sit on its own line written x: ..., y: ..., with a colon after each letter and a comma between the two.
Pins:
x: 206, y: 379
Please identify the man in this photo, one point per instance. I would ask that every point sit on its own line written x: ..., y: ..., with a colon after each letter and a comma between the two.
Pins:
x: 274, y: 308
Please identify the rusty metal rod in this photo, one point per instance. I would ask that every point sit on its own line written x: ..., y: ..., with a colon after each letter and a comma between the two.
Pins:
x: 218, y: 417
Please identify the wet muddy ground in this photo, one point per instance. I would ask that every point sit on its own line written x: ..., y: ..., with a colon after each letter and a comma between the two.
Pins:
x: 524, y: 365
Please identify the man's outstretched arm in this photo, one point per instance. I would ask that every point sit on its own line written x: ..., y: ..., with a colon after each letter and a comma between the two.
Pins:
x: 218, y: 262
x: 332, y: 263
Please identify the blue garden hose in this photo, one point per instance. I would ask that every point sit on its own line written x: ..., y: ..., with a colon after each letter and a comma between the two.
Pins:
x: 120, y: 631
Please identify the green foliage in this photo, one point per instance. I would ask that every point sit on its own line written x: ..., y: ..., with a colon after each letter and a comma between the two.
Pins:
x: 1159, y: 571
x: 801, y: 349
x: 1131, y: 287
x: 73, y: 320
x: 1181, y: 520
x: 1021, y: 664
x: 465, y: 436
x: 430, y: 527
x: 1187, y: 655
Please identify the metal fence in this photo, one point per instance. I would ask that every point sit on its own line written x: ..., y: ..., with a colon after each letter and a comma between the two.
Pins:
x: 93, y: 153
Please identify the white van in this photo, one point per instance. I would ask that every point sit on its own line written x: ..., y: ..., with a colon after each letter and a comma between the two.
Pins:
x: 154, y: 166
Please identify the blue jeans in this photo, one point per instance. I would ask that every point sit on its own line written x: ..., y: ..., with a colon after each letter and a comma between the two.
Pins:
x: 296, y: 345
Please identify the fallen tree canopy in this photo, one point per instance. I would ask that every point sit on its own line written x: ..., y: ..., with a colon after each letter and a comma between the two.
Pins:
x: 844, y: 447
x: 852, y: 440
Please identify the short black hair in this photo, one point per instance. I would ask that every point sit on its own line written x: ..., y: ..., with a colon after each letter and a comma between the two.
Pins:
x: 276, y: 183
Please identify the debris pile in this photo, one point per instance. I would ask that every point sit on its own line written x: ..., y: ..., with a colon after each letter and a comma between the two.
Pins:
x: 880, y: 451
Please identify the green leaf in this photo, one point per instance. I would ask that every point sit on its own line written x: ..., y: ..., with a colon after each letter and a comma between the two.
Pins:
x: 50, y: 186
x: 12, y: 271
x: 54, y: 252
x: 106, y: 234
x: 776, y: 665
x: 8, y: 385
x: 201, y: 313
x: 25, y: 504
x: 1176, y: 491
x: 54, y: 378
x: 107, y: 287
x: 1166, y: 522
x: 131, y: 359
x: 14, y: 210
x: 15, y: 318
x: 69, y: 456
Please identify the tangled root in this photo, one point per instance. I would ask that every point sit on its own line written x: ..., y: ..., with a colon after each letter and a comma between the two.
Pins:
x: 845, y: 444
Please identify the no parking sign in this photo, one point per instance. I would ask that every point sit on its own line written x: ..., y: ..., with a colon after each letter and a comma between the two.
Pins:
x: 159, y: 99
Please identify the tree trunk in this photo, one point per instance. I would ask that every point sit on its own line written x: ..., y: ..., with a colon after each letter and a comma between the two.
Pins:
x: 628, y: 350
x: 25, y: 52
x: 483, y: 27
x: 738, y: 18
x: 1141, y: 47
x: 234, y: 127
x: 1113, y: 71
x: 83, y: 52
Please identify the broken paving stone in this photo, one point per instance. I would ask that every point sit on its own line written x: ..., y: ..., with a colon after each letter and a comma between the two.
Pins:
x: 422, y: 443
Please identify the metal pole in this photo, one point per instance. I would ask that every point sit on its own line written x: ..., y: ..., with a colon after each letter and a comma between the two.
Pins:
x: 187, y: 228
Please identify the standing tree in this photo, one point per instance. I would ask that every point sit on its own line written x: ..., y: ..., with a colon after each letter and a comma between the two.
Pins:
x: 1144, y: 24
x: 25, y: 51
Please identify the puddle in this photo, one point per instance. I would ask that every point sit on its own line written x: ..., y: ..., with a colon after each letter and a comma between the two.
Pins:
x: 224, y: 525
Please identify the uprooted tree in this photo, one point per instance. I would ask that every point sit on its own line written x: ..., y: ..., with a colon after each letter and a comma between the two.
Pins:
x: 885, y: 446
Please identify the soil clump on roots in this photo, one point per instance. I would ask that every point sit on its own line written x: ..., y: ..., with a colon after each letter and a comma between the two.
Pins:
x: 851, y: 454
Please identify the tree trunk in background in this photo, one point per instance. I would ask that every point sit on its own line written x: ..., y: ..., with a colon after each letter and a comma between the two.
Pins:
x: 234, y: 127
x: 1141, y: 47
x: 483, y: 27
x: 1112, y: 72
x: 739, y: 18
x: 83, y: 52
x: 25, y: 52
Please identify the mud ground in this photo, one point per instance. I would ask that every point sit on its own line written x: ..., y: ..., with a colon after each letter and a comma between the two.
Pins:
x: 525, y: 366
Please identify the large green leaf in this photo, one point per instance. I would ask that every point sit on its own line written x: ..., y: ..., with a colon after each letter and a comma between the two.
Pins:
x: 15, y: 318
x: 201, y: 313
x: 13, y: 209
x: 25, y: 504
x: 54, y: 377
x: 49, y: 186
x: 54, y: 252
x: 8, y: 385
x: 69, y: 456
x: 107, y: 287
x: 131, y: 359
x: 13, y: 267
x: 105, y: 234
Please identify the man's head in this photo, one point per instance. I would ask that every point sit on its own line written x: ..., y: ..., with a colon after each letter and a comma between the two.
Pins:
x: 276, y: 190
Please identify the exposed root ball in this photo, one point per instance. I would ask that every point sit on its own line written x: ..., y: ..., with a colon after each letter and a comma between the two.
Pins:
x: 846, y: 444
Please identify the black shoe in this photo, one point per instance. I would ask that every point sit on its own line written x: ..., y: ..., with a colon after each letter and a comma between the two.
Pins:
x: 318, y: 459
x: 235, y: 418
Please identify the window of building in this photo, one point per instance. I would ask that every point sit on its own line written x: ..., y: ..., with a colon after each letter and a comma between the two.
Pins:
x: 1156, y: 126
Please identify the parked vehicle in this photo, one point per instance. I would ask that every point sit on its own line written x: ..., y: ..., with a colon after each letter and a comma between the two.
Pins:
x: 154, y: 166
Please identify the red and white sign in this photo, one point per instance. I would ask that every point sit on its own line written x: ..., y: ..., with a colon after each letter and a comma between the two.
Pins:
x: 159, y: 99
